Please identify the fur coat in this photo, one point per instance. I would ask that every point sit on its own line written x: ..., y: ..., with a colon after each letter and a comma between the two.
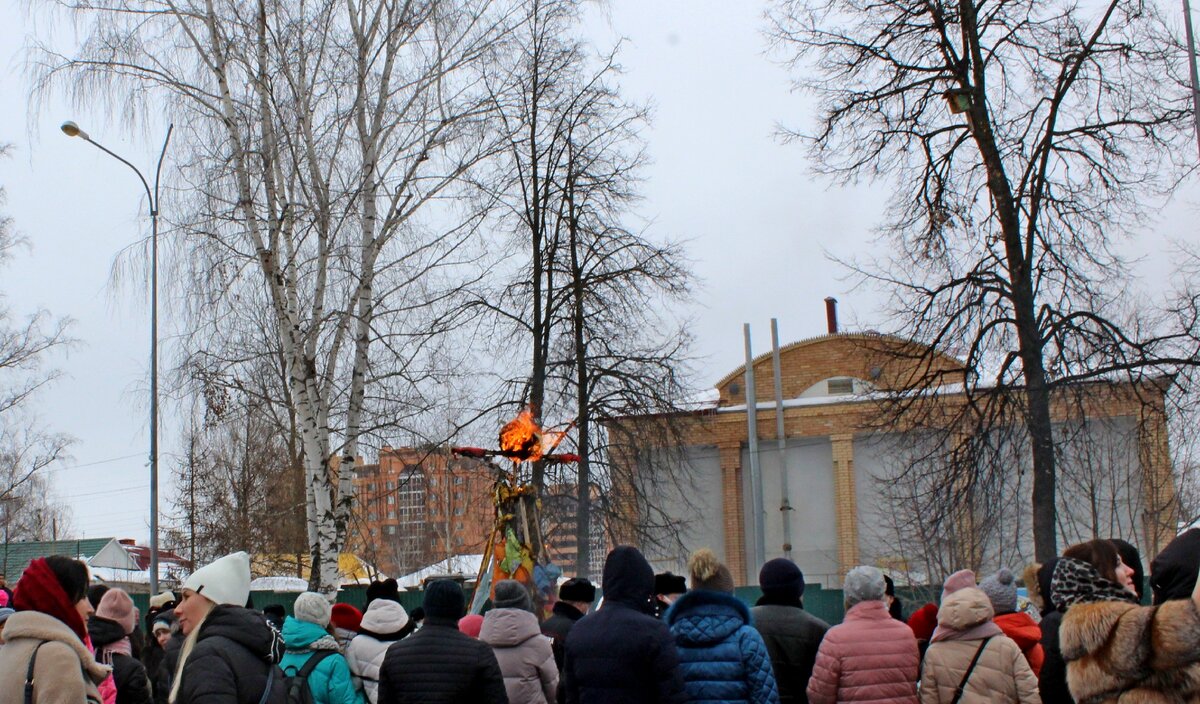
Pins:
x: 1121, y: 653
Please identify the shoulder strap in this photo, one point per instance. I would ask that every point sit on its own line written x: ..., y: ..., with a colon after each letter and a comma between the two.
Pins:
x: 962, y: 686
x: 266, y: 695
x: 312, y: 662
x: 29, y: 672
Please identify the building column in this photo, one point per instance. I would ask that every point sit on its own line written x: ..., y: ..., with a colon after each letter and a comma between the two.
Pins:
x: 735, y: 511
x: 1158, y: 480
x: 846, y: 501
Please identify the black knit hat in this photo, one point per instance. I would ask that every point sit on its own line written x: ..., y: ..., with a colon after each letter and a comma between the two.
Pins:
x: 667, y: 583
x: 577, y: 589
x: 781, y: 577
x: 444, y: 599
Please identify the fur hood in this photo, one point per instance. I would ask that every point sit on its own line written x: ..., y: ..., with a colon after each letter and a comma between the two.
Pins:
x: 1117, y: 650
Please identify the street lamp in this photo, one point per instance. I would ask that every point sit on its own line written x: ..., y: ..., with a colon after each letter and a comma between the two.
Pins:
x: 73, y: 130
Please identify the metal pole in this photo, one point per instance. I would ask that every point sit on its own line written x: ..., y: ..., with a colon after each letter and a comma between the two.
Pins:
x: 785, y: 503
x: 756, y: 487
x: 1191, y: 46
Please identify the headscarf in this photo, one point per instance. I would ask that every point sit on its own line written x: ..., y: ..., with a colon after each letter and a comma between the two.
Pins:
x: 39, y: 590
x: 1078, y: 582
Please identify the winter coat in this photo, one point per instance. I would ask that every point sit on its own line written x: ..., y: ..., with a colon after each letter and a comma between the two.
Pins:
x: 869, y: 657
x: 525, y: 657
x: 384, y: 623
x: 1121, y: 652
x: 154, y: 659
x: 1001, y: 673
x: 231, y: 661
x: 722, y: 658
x: 330, y: 681
x: 65, y: 671
x: 558, y: 627
x: 621, y: 654
x: 792, y: 636
x: 1052, y: 680
x: 440, y: 665
x: 1027, y: 634
x: 129, y: 675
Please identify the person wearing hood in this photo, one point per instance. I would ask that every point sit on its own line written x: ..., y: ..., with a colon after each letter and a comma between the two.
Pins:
x: 525, y: 657
x: 1001, y: 590
x: 1116, y: 650
x: 48, y: 636
x: 384, y: 623
x: 438, y: 664
x: 792, y: 635
x: 1133, y: 560
x: 1173, y: 571
x: 621, y: 654
x: 306, y: 636
x: 1052, y: 679
x: 870, y: 656
x: 229, y: 652
x: 110, y: 628
x: 722, y: 658
x: 969, y: 659
x: 575, y: 599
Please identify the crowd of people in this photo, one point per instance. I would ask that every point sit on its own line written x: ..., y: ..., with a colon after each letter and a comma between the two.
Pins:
x: 1082, y: 636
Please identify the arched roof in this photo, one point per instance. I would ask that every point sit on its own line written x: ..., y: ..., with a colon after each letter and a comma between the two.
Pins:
x: 884, y: 361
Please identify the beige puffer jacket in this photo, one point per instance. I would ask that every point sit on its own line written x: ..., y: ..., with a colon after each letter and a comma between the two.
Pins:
x: 1002, y: 673
x: 524, y: 654
x: 65, y: 672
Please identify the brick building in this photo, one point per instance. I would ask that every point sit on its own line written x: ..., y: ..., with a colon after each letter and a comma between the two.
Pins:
x: 845, y: 478
x: 418, y: 506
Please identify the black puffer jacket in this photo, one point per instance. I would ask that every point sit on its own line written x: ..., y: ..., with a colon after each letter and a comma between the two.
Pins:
x: 621, y: 654
x: 792, y: 636
x: 440, y: 665
x: 233, y: 658
x: 129, y: 675
x: 558, y: 627
x: 1052, y: 680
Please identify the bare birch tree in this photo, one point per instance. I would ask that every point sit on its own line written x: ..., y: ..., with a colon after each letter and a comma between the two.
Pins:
x: 320, y: 147
x: 1067, y: 126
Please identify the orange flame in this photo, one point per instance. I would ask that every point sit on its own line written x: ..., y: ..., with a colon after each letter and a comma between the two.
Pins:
x: 522, y: 440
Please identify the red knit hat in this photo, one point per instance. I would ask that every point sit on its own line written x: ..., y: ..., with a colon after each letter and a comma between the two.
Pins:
x: 471, y: 624
x: 924, y: 621
x: 39, y: 590
x: 346, y: 617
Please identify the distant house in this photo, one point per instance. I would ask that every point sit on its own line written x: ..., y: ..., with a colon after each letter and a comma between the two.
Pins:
x: 107, y: 559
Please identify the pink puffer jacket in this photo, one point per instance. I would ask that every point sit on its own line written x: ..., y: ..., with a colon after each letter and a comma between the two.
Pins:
x: 869, y: 657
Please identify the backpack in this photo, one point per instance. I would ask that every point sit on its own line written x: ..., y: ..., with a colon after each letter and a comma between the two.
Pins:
x: 298, y: 691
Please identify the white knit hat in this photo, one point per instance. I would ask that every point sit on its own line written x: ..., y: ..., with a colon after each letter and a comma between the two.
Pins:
x: 312, y: 608
x: 223, y: 581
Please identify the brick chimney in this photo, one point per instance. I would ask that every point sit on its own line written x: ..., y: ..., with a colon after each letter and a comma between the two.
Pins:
x: 831, y: 315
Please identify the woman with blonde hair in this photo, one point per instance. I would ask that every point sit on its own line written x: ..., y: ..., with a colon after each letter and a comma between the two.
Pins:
x: 230, y: 653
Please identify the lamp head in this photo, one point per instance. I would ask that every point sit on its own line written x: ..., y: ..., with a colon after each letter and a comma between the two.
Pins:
x: 72, y: 130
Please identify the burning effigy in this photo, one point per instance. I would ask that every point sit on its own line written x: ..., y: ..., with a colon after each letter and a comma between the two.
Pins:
x: 515, y: 548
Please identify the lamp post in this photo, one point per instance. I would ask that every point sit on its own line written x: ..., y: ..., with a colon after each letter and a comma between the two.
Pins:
x: 72, y: 130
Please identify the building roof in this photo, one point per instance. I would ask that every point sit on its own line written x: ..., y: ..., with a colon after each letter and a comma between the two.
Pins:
x: 97, y: 552
x: 458, y: 565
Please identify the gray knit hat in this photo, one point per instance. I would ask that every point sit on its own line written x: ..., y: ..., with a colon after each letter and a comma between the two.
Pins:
x: 1001, y: 589
x: 312, y: 608
x: 864, y: 583
x: 511, y: 594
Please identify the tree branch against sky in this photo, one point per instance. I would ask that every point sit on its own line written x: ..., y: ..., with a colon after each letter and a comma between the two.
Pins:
x: 1003, y: 243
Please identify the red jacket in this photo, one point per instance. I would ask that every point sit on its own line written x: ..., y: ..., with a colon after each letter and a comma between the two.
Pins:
x: 869, y: 657
x: 1027, y: 634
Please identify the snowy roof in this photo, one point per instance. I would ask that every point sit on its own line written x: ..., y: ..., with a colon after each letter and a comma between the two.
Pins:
x: 279, y: 584
x: 466, y: 566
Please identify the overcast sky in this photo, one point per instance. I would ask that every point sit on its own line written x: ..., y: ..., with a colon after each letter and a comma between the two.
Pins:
x: 758, y: 223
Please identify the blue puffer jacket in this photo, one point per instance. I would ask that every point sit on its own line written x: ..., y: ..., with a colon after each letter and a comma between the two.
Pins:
x: 330, y: 682
x: 723, y: 659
